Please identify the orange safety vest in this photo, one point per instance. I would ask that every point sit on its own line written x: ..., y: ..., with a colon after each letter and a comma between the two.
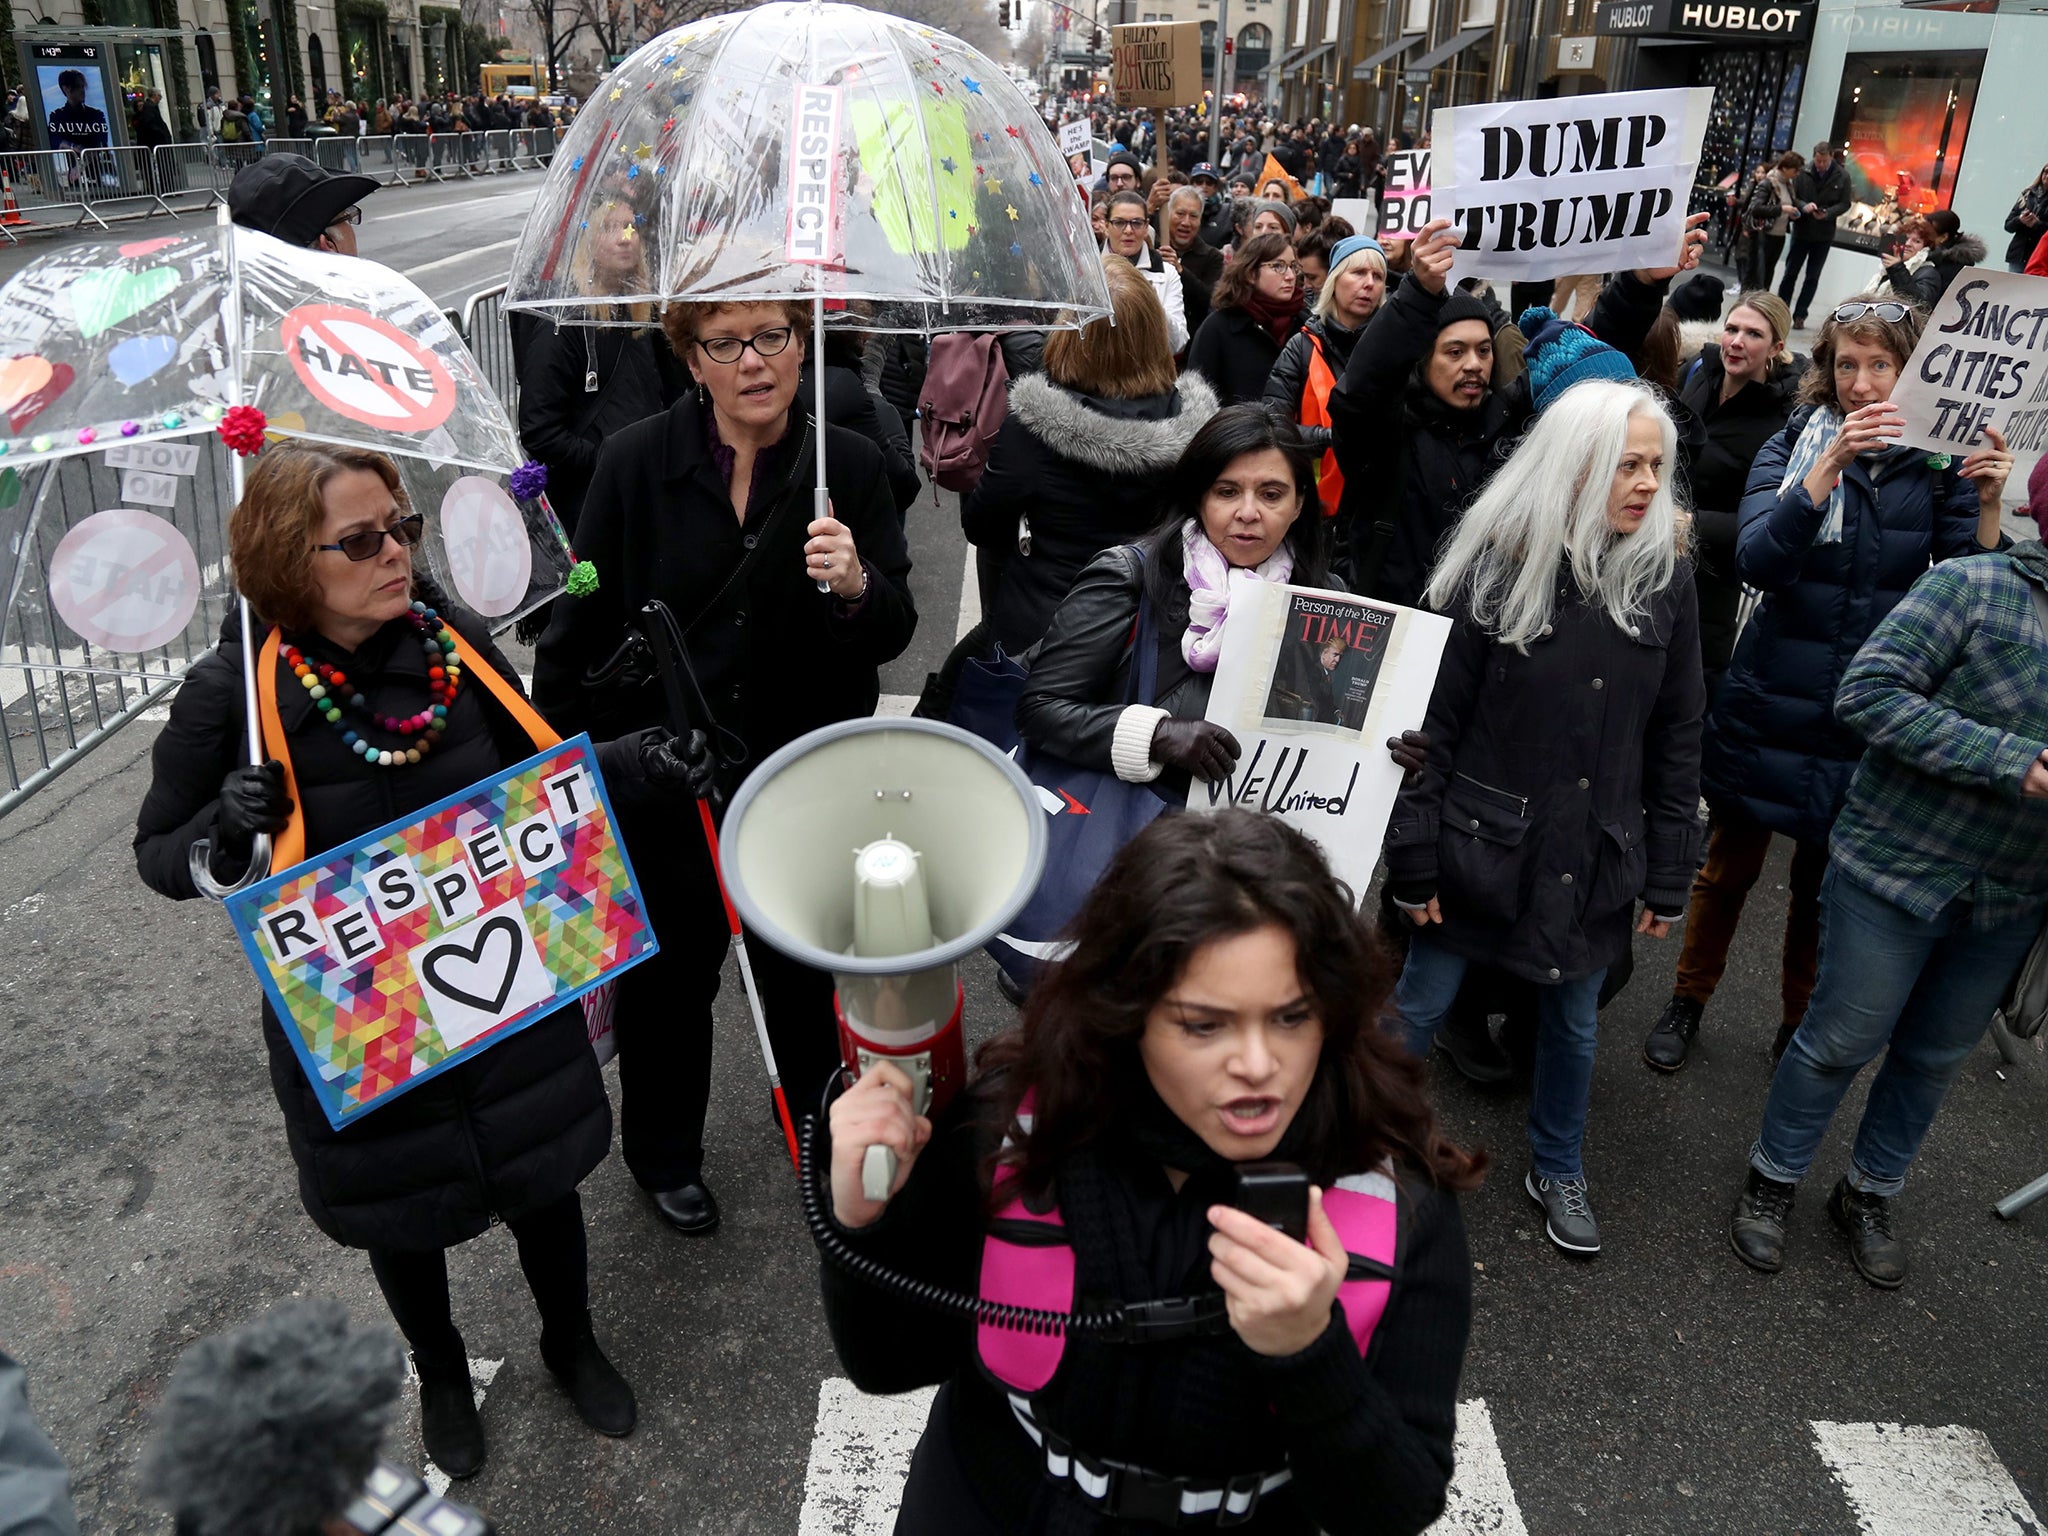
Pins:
x: 1315, y: 412
x: 289, y: 846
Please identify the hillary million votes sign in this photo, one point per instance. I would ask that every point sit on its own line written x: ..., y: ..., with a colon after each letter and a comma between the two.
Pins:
x: 1568, y: 185
x: 393, y: 957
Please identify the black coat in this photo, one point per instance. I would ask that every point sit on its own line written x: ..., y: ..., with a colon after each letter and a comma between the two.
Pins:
x: 1086, y: 473
x: 775, y: 656
x: 1942, y: 267
x: 1235, y: 354
x: 1219, y: 223
x: 1716, y: 470
x: 1827, y: 191
x: 848, y: 404
x: 151, y: 129
x: 1082, y: 669
x: 1774, y: 751
x: 1287, y: 384
x: 499, y: 1136
x: 1411, y: 463
x: 563, y: 423
x: 1201, y: 269
x: 1561, y: 787
x: 2026, y: 236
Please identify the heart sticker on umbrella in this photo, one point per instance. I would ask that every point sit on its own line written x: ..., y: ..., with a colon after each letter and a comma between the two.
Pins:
x: 27, y: 384
x: 101, y: 300
x: 147, y: 247
x: 136, y: 358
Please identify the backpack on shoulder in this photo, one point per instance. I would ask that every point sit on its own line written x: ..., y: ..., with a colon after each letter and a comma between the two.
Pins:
x: 963, y: 404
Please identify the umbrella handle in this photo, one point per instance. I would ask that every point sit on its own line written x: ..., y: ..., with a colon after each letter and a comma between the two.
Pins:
x: 821, y: 497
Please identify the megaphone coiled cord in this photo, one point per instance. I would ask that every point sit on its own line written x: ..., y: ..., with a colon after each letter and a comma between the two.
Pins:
x: 1107, y: 1322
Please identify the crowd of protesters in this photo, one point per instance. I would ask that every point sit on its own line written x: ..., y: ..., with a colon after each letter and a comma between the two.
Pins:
x: 1699, y: 595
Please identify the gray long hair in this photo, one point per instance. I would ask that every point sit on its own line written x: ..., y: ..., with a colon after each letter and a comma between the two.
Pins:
x: 1549, y: 501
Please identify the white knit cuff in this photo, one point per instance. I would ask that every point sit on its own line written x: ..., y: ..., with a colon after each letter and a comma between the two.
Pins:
x: 1130, y: 749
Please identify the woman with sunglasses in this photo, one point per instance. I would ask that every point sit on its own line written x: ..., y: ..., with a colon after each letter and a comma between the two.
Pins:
x: 1255, y: 310
x: 408, y: 714
x: 784, y: 620
x: 1839, y: 520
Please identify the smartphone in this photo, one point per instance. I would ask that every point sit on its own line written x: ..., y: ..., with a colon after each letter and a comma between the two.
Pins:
x: 1276, y: 1193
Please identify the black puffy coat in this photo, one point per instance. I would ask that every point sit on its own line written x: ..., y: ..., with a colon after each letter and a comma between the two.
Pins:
x: 1829, y: 191
x: 1287, y: 384
x: 503, y: 1134
x: 1201, y: 269
x: 775, y: 656
x: 1082, y: 669
x: 563, y: 424
x: 2026, y: 236
x: 1411, y: 463
x: 1085, y: 473
x: 1235, y: 354
x: 1562, y: 786
x: 849, y: 404
x: 1774, y: 751
x: 1942, y: 267
x: 1716, y: 464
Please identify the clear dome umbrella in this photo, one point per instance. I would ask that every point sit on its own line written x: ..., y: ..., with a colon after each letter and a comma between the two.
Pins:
x: 880, y: 169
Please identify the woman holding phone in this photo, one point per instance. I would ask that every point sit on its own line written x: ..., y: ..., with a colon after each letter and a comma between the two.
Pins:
x: 1219, y: 1009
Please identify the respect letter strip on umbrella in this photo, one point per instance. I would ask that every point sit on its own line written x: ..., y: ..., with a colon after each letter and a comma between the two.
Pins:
x: 814, y: 174
x: 396, y: 956
x: 1574, y: 184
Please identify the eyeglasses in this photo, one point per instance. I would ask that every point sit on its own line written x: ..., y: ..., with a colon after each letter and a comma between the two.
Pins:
x: 1129, y: 226
x: 727, y: 349
x: 1884, y: 311
x: 1289, y: 268
x: 346, y: 216
x: 367, y: 543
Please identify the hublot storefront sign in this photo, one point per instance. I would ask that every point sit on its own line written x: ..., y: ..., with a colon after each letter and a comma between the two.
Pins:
x: 1704, y: 18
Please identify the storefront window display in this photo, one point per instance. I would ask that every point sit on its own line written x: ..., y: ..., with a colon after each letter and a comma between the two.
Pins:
x: 1902, y: 120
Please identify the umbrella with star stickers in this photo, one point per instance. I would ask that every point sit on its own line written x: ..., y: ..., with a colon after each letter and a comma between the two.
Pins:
x: 818, y: 152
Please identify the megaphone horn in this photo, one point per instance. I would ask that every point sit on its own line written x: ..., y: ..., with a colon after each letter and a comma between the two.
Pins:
x: 884, y: 850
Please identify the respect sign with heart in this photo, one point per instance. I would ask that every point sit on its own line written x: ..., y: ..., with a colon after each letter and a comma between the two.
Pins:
x: 398, y: 955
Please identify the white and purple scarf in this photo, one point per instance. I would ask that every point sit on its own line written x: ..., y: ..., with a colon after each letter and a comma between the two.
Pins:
x: 1211, y: 580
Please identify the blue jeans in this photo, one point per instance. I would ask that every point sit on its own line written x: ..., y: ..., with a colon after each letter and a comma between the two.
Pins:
x: 1887, y: 978
x: 1567, y: 1020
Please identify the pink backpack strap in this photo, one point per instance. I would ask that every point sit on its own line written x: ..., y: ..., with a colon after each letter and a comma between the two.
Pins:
x: 1363, y: 1208
x: 1026, y: 1261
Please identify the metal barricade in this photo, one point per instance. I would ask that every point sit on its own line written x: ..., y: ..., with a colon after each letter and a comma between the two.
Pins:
x: 497, y: 154
x: 191, y: 173
x: 59, y: 696
x: 84, y: 183
x: 287, y: 147
x: 489, y: 337
x: 525, y: 150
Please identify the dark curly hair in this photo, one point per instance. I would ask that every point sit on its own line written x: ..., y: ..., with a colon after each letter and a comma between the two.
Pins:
x: 1186, y: 881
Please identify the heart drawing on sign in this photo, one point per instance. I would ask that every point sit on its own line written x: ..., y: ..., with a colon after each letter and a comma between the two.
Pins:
x: 470, y: 965
x: 27, y: 384
x: 137, y: 357
x: 100, y: 300
x: 145, y: 247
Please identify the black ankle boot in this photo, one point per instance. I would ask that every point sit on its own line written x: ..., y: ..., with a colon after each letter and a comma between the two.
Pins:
x: 601, y: 1395
x: 1757, y: 1230
x: 450, y: 1427
x: 1671, y: 1037
x: 1785, y: 1034
x: 1464, y: 1037
x: 1866, y: 1220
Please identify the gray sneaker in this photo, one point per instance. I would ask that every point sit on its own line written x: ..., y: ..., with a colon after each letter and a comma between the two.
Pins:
x: 1567, y: 1217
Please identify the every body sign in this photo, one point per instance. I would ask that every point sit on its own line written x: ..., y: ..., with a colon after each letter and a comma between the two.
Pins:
x: 1568, y: 185
x: 1982, y: 362
x: 1312, y: 683
x: 414, y: 947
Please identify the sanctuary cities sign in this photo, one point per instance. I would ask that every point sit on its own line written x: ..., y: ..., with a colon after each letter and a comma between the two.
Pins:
x: 1982, y: 362
x: 1572, y: 184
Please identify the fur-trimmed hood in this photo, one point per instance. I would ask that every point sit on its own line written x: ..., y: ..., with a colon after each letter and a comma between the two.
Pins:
x: 1074, y: 426
x: 1966, y: 250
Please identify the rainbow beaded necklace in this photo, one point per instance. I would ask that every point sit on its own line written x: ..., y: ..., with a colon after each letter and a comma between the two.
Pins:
x: 329, y: 685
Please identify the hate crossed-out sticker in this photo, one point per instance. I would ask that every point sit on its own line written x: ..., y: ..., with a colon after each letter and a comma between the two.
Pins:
x: 126, y: 580
x: 490, y: 557
x: 367, y: 369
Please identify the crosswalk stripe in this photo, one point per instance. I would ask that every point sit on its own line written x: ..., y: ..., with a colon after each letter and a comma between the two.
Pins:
x: 1914, y: 1480
x: 861, y: 1448
x: 1481, y: 1500
x: 860, y: 1454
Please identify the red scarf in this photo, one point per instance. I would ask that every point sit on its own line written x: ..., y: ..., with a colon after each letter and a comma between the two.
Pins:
x: 1281, y: 318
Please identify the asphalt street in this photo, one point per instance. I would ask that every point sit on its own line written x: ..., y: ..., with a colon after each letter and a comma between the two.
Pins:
x: 147, y: 1199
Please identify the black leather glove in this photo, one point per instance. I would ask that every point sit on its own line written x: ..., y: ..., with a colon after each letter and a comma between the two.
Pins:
x: 252, y: 800
x: 658, y: 758
x: 1411, y: 750
x: 1199, y: 748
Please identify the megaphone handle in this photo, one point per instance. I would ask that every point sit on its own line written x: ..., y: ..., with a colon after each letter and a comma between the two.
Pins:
x: 877, y: 1172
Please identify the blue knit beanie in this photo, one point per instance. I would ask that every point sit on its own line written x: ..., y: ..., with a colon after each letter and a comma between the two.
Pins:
x: 1562, y: 353
x: 1351, y: 245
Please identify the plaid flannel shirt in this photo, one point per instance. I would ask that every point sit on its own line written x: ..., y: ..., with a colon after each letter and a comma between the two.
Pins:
x: 1951, y: 693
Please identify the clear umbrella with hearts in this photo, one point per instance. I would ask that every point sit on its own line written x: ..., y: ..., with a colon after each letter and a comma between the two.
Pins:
x: 119, y: 361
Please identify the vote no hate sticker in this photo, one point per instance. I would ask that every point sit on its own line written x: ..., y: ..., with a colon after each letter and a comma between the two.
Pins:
x: 126, y: 580
x: 367, y: 369
x: 490, y: 557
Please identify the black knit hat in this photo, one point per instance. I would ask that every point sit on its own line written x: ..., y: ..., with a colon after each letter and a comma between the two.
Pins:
x: 1462, y: 306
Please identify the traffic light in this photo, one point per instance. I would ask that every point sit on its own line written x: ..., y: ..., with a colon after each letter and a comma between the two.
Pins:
x: 1003, y: 11
x: 1095, y: 40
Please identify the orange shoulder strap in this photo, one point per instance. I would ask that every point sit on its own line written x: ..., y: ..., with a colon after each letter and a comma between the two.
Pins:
x: 1315, y: 412
x: 289, y: 846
